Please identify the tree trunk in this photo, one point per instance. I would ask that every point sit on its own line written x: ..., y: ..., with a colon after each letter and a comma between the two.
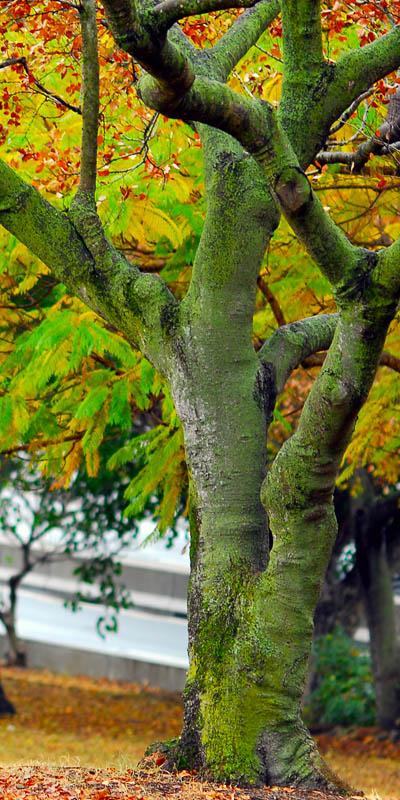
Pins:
x: 340, y: 600
x: 250, y: 633
x: 16, y: 654
x: 377, y: 588
x: 224, y: 424
x: 6, y: 707
x: 250, y: 628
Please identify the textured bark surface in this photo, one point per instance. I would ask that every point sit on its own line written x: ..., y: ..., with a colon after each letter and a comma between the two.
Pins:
x: 250, y: 618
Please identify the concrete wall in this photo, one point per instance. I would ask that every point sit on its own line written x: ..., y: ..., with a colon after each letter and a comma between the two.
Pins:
x: 161, y: 579
x: 99, y: 665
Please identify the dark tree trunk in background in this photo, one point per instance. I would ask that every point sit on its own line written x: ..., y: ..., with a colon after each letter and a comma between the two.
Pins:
x: 365, y: 593
x: 376, y: 579
x: 6, y: 707
x: 340, y: 601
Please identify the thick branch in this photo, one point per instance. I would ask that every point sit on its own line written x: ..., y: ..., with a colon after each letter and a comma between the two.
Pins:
x: 358, y: 70
x: 48, y: 233
x: 388, y: 269
x: 225, y: 263
x: 171, y: 11
x: 302, y: 36
x: 132, y: 301
x: 288, y: 346
x: 151, y: 47
x: 241, y: 36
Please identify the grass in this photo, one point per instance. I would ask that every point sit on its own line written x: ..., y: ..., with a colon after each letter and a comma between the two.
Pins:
x: 80, y: 722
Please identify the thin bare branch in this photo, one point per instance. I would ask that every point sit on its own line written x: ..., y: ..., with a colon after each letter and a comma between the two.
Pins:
x: 55, y: 98
x: 386, y: 360
x: 272, y: 300
x: 90, y: 97
x: 350, y: 111
x: 384, y: 142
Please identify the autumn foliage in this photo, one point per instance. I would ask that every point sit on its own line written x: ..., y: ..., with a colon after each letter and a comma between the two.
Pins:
x: 150, y: 197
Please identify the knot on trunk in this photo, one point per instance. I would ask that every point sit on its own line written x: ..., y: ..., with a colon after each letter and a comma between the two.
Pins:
x: 293, y: 189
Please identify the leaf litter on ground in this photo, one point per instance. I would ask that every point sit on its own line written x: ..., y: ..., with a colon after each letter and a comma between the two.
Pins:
x: 78, y: 738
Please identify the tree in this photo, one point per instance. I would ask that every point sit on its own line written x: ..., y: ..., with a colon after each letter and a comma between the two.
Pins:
x: 359, y: 582
x: 376, y: 529
x: 46, y: 526
x: 250, y: 610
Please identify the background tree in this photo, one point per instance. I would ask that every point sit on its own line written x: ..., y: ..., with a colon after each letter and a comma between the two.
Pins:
x: 250, y: 626
x: 47, y: 525
x: 359, y: 584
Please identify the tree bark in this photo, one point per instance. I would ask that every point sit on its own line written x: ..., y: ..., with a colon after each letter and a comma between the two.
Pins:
x: 6, y: 707
x: 377, y: 589
x: 16, y: 654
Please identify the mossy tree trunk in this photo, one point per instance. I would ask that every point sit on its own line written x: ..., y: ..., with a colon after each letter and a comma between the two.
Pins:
x: 250, y: 618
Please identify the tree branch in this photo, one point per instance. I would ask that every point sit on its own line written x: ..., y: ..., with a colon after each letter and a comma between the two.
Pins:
x: 386, y: 142
x: 11, y: 62
x: 302, y: 37
x: 388, y: 269
x: 350, y: 111
x: 358, y: 70
x: 386, y: 360
x: 289, y: 345
x: 135, y: 302
x: 241, y: 36
x: 90, y: 97
x: 171, y: 11
x: 271, y: 299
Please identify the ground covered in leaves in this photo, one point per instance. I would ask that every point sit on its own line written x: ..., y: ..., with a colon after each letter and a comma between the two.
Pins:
x: 74, y: 783
x: 80, y: 739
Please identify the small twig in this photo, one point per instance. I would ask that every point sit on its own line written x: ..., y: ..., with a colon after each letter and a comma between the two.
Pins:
x: 21, y: 61
x: 270, y: 55
x: 273, y: 302
x: 386, y: 360
x: 40, y: 445
x: 350, y: 111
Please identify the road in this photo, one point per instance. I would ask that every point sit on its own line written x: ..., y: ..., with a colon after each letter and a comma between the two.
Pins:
x: 142, y: 636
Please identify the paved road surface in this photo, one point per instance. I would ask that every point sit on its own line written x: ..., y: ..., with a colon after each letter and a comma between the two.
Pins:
x: 142, y: 636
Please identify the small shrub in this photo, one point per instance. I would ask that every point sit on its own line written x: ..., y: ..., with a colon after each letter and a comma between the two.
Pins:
x: 345, y: 692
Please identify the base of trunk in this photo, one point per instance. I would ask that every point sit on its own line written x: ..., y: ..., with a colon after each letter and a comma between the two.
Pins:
x: 287, y: 759
x: 16, y: 659
x: 6, y: 708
